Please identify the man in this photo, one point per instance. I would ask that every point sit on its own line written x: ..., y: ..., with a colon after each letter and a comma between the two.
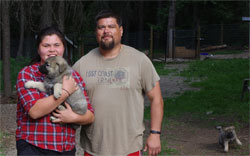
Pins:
x: 117, y: 78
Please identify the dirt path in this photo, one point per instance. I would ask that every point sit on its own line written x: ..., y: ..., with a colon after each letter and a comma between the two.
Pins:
x: 187, y: 136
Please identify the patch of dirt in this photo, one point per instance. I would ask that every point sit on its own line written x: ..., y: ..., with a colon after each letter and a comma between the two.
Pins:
x: 195, y: 137
x: 187, y: 135
x: 8, y: 100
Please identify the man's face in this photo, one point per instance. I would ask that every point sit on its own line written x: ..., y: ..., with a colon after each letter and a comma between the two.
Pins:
x: 108, y: 33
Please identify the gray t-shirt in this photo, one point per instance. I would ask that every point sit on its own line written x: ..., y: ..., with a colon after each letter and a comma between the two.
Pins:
x: 116, y: 88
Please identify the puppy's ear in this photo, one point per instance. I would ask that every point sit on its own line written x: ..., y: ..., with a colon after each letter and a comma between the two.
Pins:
x: 232, y: 127
x: 218, y: 127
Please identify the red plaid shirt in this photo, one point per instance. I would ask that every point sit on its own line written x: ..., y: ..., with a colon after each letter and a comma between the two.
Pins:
x: 41, y: 132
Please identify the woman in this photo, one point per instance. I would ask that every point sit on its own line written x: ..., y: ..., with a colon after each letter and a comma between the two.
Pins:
x: 36, y: 134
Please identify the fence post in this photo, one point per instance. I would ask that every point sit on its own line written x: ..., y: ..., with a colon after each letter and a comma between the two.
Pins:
x: 151, y: 42
x: 170, y: 43
x: 221, y: 33
x: 197, y: 54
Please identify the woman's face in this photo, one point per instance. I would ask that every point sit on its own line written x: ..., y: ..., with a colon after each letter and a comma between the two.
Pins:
x: 51, y: 45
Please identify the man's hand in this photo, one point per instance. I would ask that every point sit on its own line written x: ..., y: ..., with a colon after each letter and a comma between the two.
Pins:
x: 153, y: 145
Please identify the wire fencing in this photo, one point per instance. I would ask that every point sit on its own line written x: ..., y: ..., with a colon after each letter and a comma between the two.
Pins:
x: 184, y: 41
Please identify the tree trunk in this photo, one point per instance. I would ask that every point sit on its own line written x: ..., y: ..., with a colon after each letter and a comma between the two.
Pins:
x: 22, y: 16
x: 196, y: 24
x: 61, y: 15
x: 126, y: 10
x: 171, y: 28
x: 158, y: 23
x: 141, y: 23
x: 6, y: 48
x: 46, y: 19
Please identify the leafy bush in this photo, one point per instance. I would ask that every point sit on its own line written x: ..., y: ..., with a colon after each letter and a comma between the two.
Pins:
x: 15, y: 67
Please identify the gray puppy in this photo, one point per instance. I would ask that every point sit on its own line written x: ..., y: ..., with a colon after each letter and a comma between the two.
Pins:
x: 227, y: 135
x: 55, y: 69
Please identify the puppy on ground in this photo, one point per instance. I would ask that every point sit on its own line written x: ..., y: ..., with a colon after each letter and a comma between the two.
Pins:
x: 227, y: 136
x: 55, y: 68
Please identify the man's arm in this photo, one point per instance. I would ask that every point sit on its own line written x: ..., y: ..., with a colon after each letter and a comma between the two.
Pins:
x: 153, y: 144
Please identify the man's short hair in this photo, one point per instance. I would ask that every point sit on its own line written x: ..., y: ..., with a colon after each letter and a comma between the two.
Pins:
x: 106, y: 14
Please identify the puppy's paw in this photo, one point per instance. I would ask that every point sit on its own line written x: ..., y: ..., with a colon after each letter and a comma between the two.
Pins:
x: 61, y: 107
x: 226, y: 147
x: 57, y: 90
x: 238, y: 142
x: 35, y: 84
x: 29, y: 84
x: 57, y: 93
x: 52, y: 118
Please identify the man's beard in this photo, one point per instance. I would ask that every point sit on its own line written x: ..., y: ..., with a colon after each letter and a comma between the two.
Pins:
x: 107, y: 45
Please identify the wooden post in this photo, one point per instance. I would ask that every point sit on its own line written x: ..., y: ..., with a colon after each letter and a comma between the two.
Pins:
x: 170, y: 43
x: 197, y: 54
x: 221, y: 33
x: 173, y: 42
x: 248, y: 20
x: 151, y: 42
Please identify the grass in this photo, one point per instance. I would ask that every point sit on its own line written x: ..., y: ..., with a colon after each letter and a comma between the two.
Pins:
x: 159, y: 66
x: 220, y: 91
x: 2, y: 134
x: 166, y: 150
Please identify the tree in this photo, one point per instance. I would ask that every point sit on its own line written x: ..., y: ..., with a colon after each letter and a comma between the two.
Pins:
x: 171, y: 27
x: 46, y: 19
x: 6, y: 47
x: 61, y: 15
x: 21, y: 38
x: 141, y: 25
x: 126, y: 21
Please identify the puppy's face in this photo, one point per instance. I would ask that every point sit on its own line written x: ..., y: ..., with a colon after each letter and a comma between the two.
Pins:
x: 229, y: 132
x: 53, y: 66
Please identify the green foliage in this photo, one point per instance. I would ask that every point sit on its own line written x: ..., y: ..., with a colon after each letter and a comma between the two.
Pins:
x: 16, y: 66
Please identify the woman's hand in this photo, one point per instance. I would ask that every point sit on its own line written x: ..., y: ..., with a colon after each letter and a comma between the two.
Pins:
x: 68, y: 116
x: 65, y: 116
x: 69, y: 85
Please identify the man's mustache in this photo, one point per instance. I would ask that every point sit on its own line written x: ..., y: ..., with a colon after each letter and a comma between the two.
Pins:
x: 107, y: 36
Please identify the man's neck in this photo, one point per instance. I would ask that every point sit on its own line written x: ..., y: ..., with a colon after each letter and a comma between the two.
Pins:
x: 112, y: 53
